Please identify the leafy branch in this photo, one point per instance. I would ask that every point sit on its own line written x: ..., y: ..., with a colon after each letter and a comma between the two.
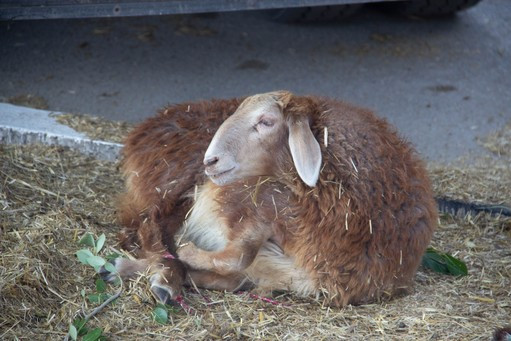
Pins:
x: 90, y: 256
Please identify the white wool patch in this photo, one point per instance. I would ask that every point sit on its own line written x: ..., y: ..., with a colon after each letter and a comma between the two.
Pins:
x: 204, y: 227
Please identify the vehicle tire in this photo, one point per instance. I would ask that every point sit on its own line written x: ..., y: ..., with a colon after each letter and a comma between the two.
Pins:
x: 314, y: 14
x: 432, y: 8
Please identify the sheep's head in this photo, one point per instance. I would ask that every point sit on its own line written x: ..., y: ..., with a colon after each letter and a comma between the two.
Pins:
x: 249, y: 142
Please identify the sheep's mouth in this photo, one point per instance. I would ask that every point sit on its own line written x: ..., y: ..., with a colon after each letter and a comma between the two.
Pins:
x: 217, y: 175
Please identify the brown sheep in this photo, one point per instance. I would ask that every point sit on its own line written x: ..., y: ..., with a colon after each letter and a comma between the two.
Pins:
x: 349, y: 217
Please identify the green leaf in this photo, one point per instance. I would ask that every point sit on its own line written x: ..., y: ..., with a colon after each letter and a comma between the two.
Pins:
x: 96, y: 261
x: 443, y: 263
x: 98, y: 298
x: 100, y: 285
x: 160, y: 315
x: 172, y: 310
x: 100, y: 242
x: 112, y: 256
x: 88, y: 240
x: 93, y: 298
x: 163, y: 306
x: 110, y: 267
x: 93, y: 335
x: 456, y: 267
x: 82, y: 292
x: 80, y: 326
x: 73, y: 333
x: 84, y: 255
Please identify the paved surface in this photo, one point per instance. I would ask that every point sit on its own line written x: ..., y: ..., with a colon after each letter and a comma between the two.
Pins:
x: 22, y: 125
x: 441, y: 82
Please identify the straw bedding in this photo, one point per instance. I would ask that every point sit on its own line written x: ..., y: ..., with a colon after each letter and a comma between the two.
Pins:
x: 50, y: 196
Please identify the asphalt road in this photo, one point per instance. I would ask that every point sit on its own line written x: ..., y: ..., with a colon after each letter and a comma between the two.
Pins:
x: 443, y: 83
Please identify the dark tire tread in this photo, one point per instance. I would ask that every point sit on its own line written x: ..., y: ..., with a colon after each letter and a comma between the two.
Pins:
x: 315, y: 14
x: 430, y: 8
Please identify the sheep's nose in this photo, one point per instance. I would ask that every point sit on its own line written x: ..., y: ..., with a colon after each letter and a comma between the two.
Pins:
x: 210, y: 161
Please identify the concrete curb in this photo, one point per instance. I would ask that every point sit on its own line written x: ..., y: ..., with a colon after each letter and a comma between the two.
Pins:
x: 22, y: 125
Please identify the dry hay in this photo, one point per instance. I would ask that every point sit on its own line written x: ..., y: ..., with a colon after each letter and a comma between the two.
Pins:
x: 49, y: 197
x: 29, y: 100
x: 96, y: 128
x: 486, y: 182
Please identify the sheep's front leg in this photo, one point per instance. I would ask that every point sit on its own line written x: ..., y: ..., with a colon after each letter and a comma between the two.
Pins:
x: 211, y: 280
x: 235, y: 257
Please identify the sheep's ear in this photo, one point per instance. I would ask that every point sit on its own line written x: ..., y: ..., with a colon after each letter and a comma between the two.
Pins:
x: 305, y: 151
x: 282, y: 97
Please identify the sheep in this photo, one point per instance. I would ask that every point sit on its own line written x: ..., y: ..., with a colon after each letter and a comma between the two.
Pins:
x: 304, y: 194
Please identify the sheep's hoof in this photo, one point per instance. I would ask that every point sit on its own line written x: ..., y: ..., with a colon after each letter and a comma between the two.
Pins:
x: 162, y: 292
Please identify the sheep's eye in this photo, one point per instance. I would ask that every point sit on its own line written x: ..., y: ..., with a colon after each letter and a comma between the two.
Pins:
x: 266, y: 123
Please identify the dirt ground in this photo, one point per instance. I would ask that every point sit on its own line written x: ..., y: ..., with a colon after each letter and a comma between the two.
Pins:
x: 51, y: 196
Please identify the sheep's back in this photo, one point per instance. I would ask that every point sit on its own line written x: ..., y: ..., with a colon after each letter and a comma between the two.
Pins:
x: 365, y: 226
